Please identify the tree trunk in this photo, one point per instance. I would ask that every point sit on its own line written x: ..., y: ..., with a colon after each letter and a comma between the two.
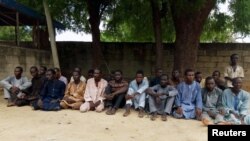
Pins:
x: 51, y: 34
x: 94, y: 20
x: 156, y: 20
x: 188, y: 26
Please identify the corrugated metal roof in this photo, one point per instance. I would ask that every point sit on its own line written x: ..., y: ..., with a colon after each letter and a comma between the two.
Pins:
x: 27, y: 16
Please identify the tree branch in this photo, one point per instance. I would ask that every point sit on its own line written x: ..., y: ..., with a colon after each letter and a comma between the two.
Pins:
x: 103, y: 6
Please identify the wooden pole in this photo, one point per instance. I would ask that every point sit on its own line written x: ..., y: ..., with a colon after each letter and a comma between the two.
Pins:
x: 17, y: 29
x: 51, y: 34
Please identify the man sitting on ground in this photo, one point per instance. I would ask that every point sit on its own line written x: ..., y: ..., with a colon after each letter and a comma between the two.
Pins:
x: 51, y: 94
x: 14, y: 86
x: 161, y: 98
x: 94, y: 93
x: 188, y: 99
x: 212, y: 103
x: 235, y: 102
x: 115, y: 92
x: 136, y: 94
x: 33, y: 94
x: 73, y: 97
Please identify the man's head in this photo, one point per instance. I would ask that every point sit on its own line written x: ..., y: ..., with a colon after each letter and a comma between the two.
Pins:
x: 91, y: 73
x: 42, y: 70
x: 50, y: 74
x: 164, y: 80
x: 237, y: 84
x: 118, y: 75
x: 58, y: 73
x: 97, y: 74
x: 158, y: 72
x: 34, y: 71
x: 76, y: 76
x: 175, y: 74
x: 210, y: 83
x: 234, y: 59
x: 18, y: 72
x: 139, y: 76
x: 189, y: 75
x: 111, y: 76
x: 216, y: 74
x: 78, y: 69
x: 198, y: 76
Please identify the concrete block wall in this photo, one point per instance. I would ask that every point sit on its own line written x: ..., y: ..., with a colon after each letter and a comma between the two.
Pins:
x: 128, y: 57
x: 10, y: 57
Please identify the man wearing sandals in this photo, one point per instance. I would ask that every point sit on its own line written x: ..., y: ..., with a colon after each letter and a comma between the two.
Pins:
x: 115, y: 93
x: 74, y: 93
x: 235, y: 102
x: 94, y: 93
x: 188, y: 100
x: 136, y: 94
x: 14, y: 87
x: 212, y: 103
x: 161, y: 98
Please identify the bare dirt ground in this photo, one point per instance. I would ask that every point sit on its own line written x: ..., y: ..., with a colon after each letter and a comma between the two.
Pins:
x: 24, y: 124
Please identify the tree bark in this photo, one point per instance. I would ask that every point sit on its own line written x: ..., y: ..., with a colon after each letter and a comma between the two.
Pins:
x: 94, y: 20
x: 188, y: 26
x: 51, y: 34
x: 17, y: 30
x: 156, y: 20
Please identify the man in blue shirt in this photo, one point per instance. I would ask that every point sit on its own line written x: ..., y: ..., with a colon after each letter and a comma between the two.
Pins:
x: 236, y: 103
x: 51, y: 94
x: 188, y: 99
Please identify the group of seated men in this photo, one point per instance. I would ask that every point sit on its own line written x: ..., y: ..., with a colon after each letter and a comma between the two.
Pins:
x: 213, y: 102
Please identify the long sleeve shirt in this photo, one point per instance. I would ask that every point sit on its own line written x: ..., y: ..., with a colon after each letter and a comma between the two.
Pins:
x: 211, y: 100
x: 189, y: 95
x: 235, y: 103
x: 141, y: 88
x: 168, y: 90
x: 95, y: 93
x: 22, y: 83
x: 53, y: 90
x: 75, y: 90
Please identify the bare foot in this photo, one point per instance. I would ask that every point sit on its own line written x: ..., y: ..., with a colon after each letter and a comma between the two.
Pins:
x: 224, y: 123
x: 206, y: 122
x: 10, y: 104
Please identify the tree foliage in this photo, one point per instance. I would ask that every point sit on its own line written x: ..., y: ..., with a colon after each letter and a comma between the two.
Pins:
x: 137, y: 26
x: 240, y: 16
x: 219, y: 27
x: 7, y: 33
x: 130, y: 21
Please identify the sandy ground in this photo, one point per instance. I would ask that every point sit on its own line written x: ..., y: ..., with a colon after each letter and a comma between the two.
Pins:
x: 24, y: 124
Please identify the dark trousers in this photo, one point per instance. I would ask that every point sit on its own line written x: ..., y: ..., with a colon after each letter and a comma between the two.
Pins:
x: 118, y: 101
x: 22, y: 102
x: 18, y: 101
